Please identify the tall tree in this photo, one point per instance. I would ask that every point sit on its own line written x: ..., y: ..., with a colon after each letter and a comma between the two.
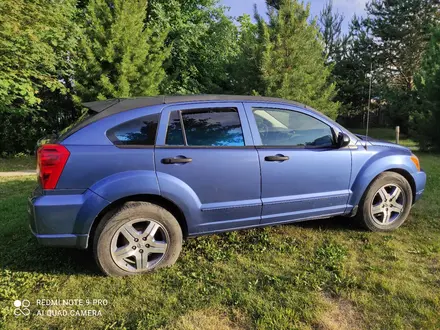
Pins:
x: 400, y: 30
x: 246, y: 67
x: 293, y: 63
x: 37, y: 41
x: 120, y: 56
x: 203, y: 44
x: 331, y: 29
x: 425, y: 118
x: 352, y: 68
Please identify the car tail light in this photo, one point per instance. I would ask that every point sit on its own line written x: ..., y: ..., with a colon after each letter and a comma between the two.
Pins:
x: 51, y: 159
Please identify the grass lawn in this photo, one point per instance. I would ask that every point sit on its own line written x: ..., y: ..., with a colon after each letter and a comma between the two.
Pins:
x: 325, y: 274
x: 17, y: 163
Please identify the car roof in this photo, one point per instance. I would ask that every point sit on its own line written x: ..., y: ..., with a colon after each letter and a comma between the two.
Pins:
x: 113, y: 106
x: 110, y: 107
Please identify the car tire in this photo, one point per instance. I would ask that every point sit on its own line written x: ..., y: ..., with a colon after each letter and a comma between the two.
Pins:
x: 379, y: 207
x: 139, y: 238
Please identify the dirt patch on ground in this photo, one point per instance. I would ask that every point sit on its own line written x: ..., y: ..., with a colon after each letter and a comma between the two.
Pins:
x: 340, y: 314
x: 209, y: 319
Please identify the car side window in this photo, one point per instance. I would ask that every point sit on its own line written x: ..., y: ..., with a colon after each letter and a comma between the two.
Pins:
x: 137, y: 132
x: 291, y: 128
x: 217, y: 127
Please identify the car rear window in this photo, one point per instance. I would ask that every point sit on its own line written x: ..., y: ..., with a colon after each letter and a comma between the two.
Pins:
x: 137, y: 132
x: 205, y: 127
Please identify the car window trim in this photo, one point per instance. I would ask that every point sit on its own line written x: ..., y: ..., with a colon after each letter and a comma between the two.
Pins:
x: 334, y: 138
x: 201, y: 110
x: 182, y: 127
x: 203, y: 147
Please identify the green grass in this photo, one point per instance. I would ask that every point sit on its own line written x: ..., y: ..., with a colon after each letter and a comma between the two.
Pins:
x: 324, y: 274
x: 387, y: 134
x: 17, y: 163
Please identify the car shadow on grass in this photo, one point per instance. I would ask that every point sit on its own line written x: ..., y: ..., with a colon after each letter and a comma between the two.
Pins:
x: 21, y: 252
x: 338, y: 223
x: 29, y: 256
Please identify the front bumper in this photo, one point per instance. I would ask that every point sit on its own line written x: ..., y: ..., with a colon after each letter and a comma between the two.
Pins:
x: 420, y: 183
x: 63, y: 220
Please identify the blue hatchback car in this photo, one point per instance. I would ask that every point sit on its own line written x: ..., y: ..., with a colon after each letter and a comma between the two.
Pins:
x: 136, y: 176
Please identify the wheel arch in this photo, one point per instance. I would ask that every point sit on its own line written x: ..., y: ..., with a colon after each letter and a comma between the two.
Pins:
x: 371, y: 171
x: 408, y: 178
x: 161, y: 201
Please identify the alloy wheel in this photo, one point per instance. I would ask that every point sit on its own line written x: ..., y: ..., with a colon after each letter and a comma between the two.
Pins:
x: 388, y: 204
x: 139, y: 245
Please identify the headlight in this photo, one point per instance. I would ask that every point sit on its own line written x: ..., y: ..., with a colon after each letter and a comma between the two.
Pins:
x: 416, y: 161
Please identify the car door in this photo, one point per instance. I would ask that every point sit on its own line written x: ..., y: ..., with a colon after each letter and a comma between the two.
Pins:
x: 204, y: 155
x: 303, y: 174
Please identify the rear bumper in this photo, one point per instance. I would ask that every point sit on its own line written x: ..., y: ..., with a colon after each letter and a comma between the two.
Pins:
x: 62, y: 240
x: 420, y: 183
x: 63, y: 220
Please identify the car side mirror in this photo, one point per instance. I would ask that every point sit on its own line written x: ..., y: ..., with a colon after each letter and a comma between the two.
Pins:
x: 343, y: 140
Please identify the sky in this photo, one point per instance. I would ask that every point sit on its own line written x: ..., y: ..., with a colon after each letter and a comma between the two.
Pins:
x: 346, y: 7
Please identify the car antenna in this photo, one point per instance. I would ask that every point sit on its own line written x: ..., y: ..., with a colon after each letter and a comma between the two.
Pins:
x: 369, y: 105
x: 369, y: 97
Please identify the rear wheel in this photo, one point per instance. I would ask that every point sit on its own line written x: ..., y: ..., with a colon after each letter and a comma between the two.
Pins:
x: 386, y: 204
x: 139, y: 238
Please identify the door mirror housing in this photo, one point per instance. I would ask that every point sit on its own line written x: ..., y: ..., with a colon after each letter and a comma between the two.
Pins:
x: 343, y: 140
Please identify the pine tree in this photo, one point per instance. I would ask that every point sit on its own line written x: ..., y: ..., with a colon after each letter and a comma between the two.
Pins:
x: 120, y: 56
x: 426, y: 118
x: 400, y: 31
x: 331, y: 30
x: 293, y: 63
x: 246, y: 68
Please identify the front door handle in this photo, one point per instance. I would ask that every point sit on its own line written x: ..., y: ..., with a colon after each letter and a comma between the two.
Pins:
x: 176, y: 160
x: 276, y: 158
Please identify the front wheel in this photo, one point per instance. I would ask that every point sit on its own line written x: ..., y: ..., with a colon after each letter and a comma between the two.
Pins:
x: 139, y: 238
x: 386, y: 204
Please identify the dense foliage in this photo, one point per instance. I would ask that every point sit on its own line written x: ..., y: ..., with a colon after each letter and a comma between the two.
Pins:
x: 55, y: 55
x: 426, y: 117
x: 118, y: 54
x: 293, y: 63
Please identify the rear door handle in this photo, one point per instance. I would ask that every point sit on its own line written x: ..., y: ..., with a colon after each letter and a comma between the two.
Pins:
x: 276, y: 158
x: 176, y: 160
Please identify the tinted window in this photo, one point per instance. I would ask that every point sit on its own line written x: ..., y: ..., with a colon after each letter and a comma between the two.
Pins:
x: 174, y: 132
x: 207, y: 127
x: 291, y: 128
x: 141, y: 131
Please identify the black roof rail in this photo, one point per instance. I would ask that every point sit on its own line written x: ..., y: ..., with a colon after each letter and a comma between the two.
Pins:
x: 113, y: 106
x: 110, y: 107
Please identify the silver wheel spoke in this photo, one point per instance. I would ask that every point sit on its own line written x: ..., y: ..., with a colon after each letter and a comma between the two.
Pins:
x: 124, y: 251
x: 129, y: 232
x: 158, y: 247
x: 151, y: 229
x: 395, y: 194
x: 386, y: 217
x: 141, y: 260
x: 396, y: 207
x: 383, y: 194
x: 377, y: 209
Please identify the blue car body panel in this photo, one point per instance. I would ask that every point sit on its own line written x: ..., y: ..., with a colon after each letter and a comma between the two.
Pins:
x: 222, y: 188
x: 289, y: 190
x: 212, y: 179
